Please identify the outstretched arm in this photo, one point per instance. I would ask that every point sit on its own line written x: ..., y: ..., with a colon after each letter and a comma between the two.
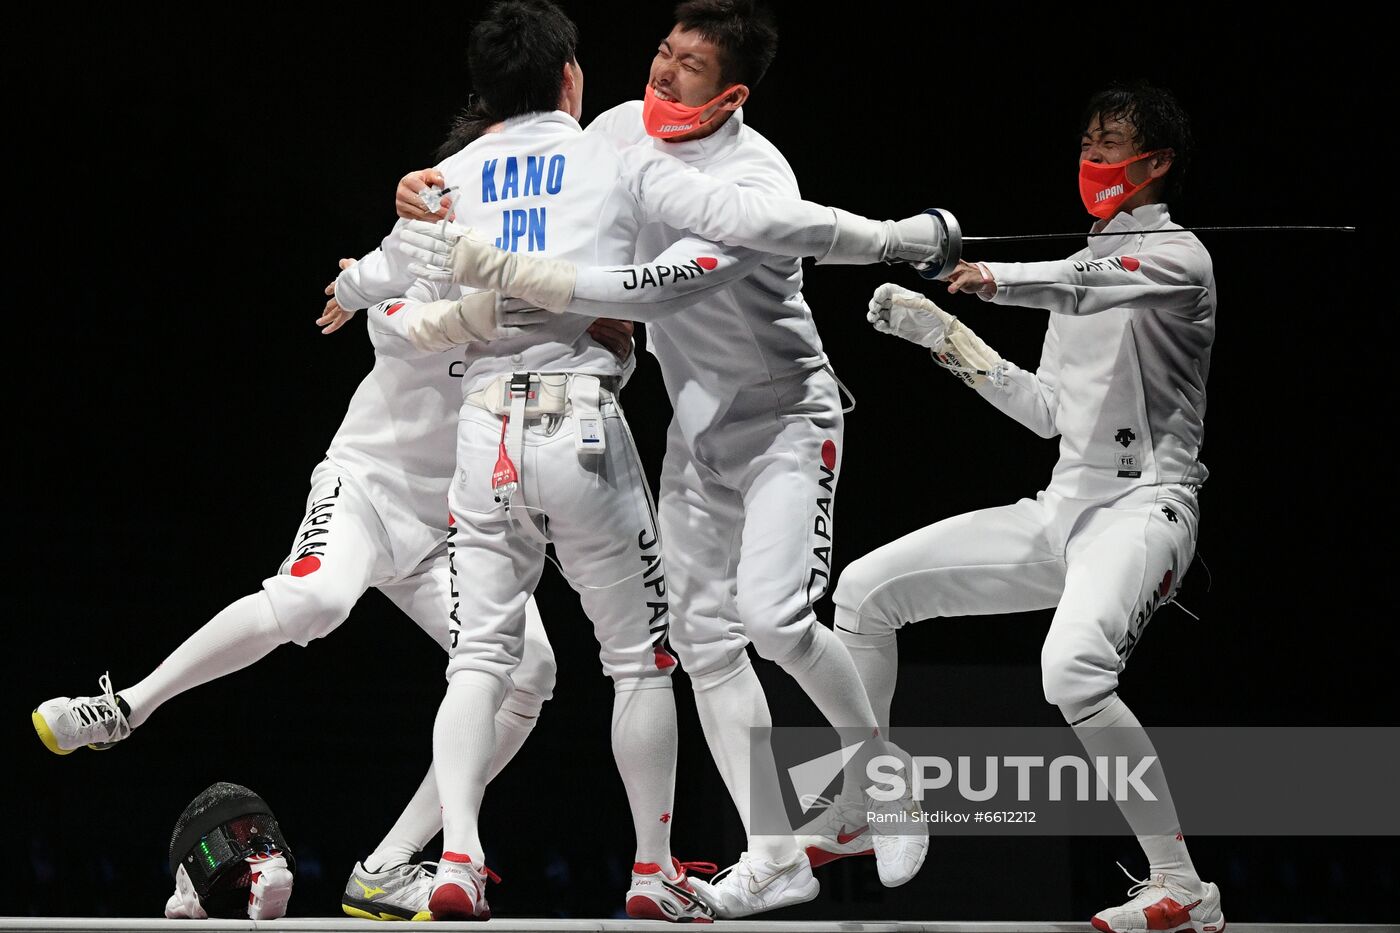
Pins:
x: 1170, y: 275
x: 1028, y: 397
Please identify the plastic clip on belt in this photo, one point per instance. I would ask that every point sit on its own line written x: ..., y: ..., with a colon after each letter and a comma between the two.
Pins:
x: 505, y: 479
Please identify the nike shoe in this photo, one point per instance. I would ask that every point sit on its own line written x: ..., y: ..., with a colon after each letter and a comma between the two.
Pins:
x: 839, y: 831
x: 99, y: 722
x: 399, y: 893
x: 459, y: 889
x: 653, y: 896
x: 900, y: 840
x: 1161, y: 905
x: 752, y: 886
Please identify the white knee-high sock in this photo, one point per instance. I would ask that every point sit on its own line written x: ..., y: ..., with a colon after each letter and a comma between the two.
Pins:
x: 730, y: 703
x: 824, y: 670
x: 1114, y: 731
x: 644, y: 747
x: 414, y: 829
x: 464, y: 742
x: 242, y: 633
x: 876, y: 658
x: 421, y: 820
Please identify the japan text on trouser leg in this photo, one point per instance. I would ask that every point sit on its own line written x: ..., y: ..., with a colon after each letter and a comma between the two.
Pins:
x: 1124, y: 559
x: 604, y: 530
x: 779, y: 449
x: 340, y: 550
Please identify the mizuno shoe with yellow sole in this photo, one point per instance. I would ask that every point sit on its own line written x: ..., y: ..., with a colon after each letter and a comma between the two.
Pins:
x: 399, y: 893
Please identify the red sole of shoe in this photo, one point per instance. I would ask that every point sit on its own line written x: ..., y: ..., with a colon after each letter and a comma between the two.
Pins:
x: 819, y: 857
x: 450, y: 902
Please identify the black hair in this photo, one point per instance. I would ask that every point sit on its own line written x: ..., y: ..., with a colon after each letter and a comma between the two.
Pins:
x: 516, y: 55
x: 744, y: 32
x: 1158, y: 122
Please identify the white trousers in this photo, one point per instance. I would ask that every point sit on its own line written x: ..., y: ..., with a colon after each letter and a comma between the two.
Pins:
x: 747, y: 517
x: 596, y: 510
x: 1105, y: 565
x: 342, y: 548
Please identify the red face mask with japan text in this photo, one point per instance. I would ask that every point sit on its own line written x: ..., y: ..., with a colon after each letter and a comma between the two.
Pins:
x: 667, y: 119
x: 1103, y: 187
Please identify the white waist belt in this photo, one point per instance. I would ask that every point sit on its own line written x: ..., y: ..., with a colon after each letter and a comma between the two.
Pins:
x: 522, y: 397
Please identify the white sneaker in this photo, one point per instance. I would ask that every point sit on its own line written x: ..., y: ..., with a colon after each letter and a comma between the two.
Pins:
x: 653, y: 896
x: 1161, y: 905
x: 65, y: 725
x: 839, y: 831
x: 398, y: 893
x: 901, y: 840
x: 459, y: 890
x: 752, y: 886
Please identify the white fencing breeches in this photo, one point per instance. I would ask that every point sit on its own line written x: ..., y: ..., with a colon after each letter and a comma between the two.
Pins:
x: 1106, y: 565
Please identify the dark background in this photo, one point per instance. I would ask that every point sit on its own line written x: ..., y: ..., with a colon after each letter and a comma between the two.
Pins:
x: 179, y: 193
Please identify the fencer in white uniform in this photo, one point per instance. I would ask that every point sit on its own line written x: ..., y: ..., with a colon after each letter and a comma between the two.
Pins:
x: 376, y: 516
x: 752, y: 461
x: 553, y: 190
x: 1122, y: 382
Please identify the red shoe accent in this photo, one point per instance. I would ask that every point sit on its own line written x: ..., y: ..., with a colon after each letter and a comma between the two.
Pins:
x: 457, y: 857
x: 1101, y: 925
x: 644, y: 908
x: 844, y: 837
x: 819, y: 857
x: 1167, y: 914
x: 452, y: 902
x: 645, y: 868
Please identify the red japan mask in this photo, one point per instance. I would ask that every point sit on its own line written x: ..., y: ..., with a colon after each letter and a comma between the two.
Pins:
x: 667, y: 119
x: 1104, y: 187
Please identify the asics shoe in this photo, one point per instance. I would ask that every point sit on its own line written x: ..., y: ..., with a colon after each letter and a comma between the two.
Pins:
x: 653, y: 896
x: 459, y: 889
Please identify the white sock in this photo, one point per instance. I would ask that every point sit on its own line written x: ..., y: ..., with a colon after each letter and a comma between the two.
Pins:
x: 413, y: 830
x: 242, y: 633
x: 824, y: 671
x: 876, y: 658
x: 644, y: 747
x: 730, y: 703
x: 1114, y: 731
x: 422, y: 819
x: 464, y: 742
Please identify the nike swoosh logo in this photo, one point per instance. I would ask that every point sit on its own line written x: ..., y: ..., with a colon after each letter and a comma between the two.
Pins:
x: 369, y: 892
x: 756, y: 886
x: 844, y: 837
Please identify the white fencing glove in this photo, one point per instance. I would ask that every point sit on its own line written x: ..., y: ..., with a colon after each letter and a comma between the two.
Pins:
x: 469, y: 257
x: 904, y: 313
x: 442, y: 325
x: 908, y: 314
x: 967, y: 356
